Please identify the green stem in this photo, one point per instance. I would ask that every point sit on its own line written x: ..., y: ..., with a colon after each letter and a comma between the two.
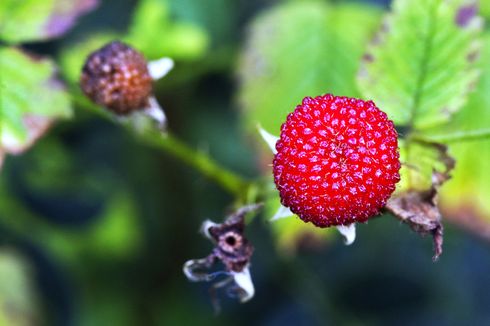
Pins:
x: 461, y: 136
x: 198, y: 160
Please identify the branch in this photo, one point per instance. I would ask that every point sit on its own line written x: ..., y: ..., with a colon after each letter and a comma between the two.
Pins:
x: 170, y: 144
x: 460, y: 136
x: 198, y: 160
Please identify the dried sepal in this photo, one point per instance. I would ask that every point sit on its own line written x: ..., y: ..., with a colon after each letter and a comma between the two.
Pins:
x: 233, y: 250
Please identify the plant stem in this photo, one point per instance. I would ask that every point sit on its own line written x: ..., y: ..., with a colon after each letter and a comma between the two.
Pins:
x: 200, y: 161
x: 170, y: 144
x: 460, y: 136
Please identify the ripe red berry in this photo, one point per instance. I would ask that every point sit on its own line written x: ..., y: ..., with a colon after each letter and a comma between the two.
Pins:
x: 337, y: 160
x: 116, y: 76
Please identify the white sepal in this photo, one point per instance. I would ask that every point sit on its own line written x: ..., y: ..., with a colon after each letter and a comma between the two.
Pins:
x: 159, y: 68
x: 282, y: 212
x: 205, y: 226
x: 348, y: 232
x: 188, y: 271
x: 244, y: 281
x: 155, y: 111
x: 193, y: 270
x: 270, y: 139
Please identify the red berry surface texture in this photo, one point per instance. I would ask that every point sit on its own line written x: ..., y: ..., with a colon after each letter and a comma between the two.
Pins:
x: 116, y: 76
x: 337, y: 160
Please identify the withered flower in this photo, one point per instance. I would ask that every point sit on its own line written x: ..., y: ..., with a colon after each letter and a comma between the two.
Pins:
x: 233, y: 250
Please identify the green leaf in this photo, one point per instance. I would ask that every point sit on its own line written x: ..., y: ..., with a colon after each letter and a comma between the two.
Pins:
x: 151, y: 32
x: 422, y: 63
x: 301, y: 49
x: 419, y: 161
x: 30, y: 99
x: 118, y: 234
x: 112, y: 227
x: 464, y: 198
x: 485, y: 9
x: 458, y: 136
x: 34, y: 20
x: 18, y: 304
x: 115, y: 235
x: 154, y: 33
x: 221, y: 24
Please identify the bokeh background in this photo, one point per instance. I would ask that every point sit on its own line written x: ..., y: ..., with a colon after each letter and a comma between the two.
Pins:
x: 95, y: 225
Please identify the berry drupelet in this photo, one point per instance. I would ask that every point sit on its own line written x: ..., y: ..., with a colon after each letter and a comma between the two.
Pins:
x: 116, y: 76
x: 337, y: 160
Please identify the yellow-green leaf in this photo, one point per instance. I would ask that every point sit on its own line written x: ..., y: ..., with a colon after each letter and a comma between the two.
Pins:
x: 301, y: 49
x: 35, y: 20
x: 31, y: 98
x: 465, y: 198
x: 154, y: 33
x: 421, y: 65
x: 18, y: 297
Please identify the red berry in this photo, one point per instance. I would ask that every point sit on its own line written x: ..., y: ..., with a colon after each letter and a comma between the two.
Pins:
x: 337, y: 160
x: 116, y: 76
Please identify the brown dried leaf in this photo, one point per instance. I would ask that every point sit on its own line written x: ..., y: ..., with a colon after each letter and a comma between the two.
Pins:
x: 419, y: 209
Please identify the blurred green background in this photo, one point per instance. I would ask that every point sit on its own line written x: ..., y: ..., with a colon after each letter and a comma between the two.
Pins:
x: 95, y: 225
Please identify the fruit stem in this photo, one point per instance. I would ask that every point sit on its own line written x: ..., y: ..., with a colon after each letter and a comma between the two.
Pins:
x: 459, y: 136
x: 200, y: 161
x: 169, y: 143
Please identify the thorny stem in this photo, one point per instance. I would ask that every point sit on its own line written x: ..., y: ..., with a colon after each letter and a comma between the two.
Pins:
x: 198, y: 160
x: 460, y: 136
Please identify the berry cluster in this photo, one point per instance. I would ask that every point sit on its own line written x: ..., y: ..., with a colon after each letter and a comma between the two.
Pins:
x: 337, y: 160
x: 116, y: 77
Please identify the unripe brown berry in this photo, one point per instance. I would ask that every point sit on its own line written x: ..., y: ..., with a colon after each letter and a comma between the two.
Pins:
x: 116, y: 76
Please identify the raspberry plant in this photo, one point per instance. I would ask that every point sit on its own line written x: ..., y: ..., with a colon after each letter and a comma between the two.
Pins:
x: 371, y: 114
